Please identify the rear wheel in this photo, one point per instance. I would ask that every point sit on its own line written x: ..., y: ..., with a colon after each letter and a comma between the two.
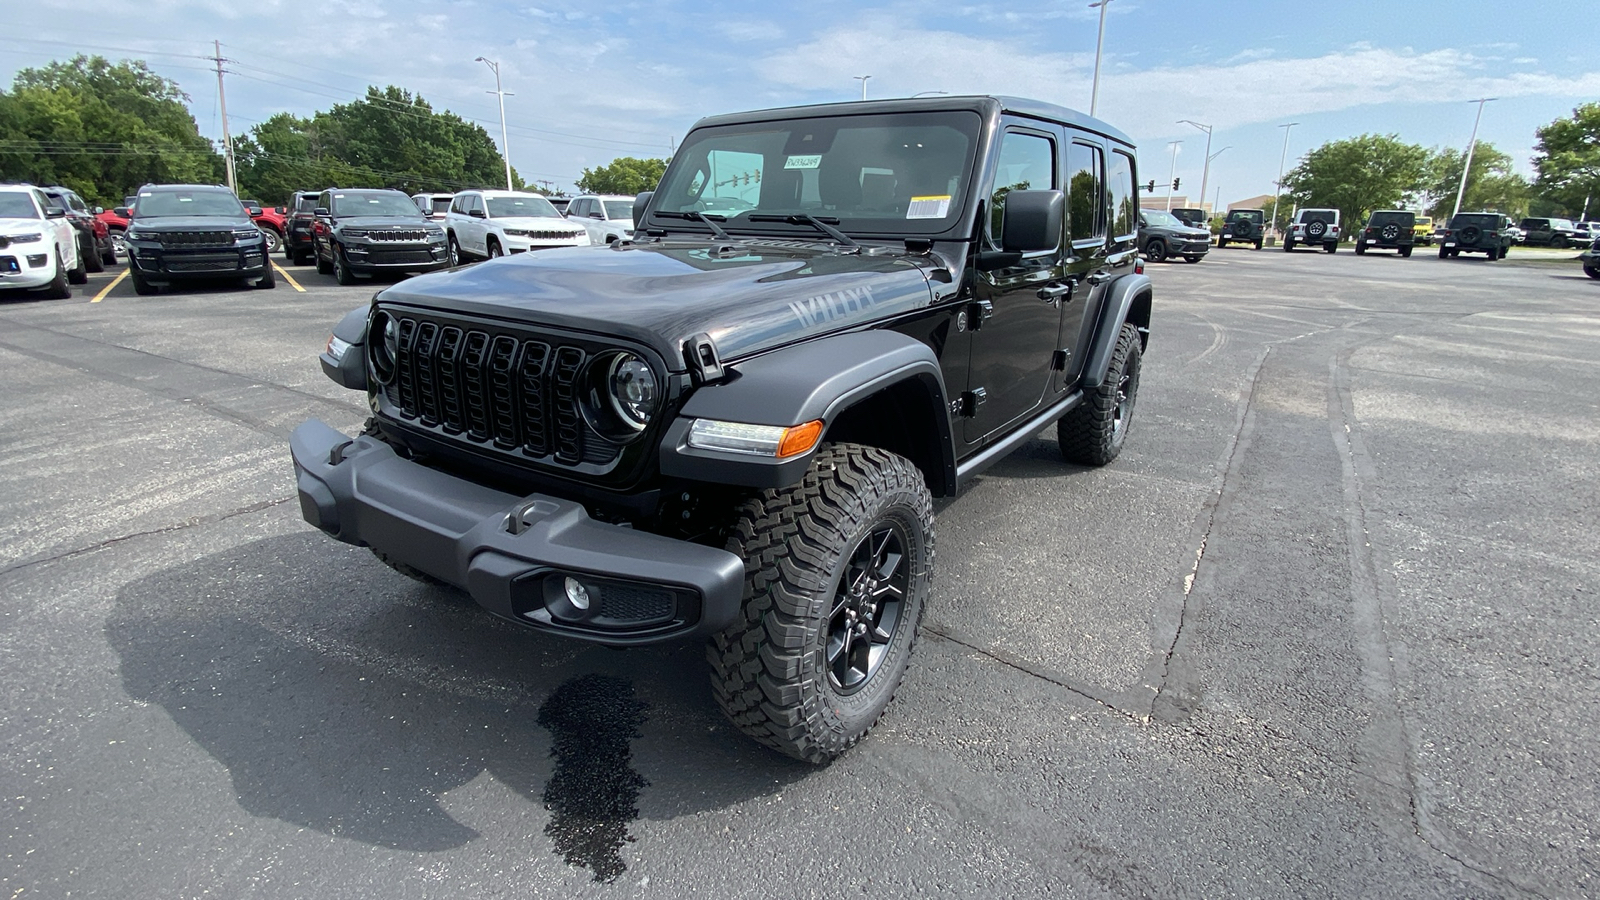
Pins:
x: 836, y: 576
x: 1221, y: 242
x: 1361, y: 249
x: 1288, y: 244
x: 1406, y: 252
x: 90, y: 257
x: 1093, y: 433
x: 1331, y: 247
x: 1258, y: 243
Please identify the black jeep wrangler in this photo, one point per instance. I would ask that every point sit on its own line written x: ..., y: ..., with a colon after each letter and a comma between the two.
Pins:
x: 1243, y: 226
x: 1480, y: 232
x: 1389, y: 229
x: 732, y: 427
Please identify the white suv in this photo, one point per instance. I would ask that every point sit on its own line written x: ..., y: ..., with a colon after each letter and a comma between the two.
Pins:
x: 609, y: 217
x: 38, y: 246
x: 434, y: 206
x: 1319, y: 227
x: 494, y: 223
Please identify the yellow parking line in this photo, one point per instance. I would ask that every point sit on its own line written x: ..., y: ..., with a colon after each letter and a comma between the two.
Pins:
x: 289, y: 278
x: 107, y: 289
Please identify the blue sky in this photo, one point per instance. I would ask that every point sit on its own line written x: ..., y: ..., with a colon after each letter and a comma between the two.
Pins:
x: 597, y: 80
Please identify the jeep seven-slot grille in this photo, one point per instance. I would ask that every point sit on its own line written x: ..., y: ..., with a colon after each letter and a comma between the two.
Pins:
x: 399, y: 235
x: 196, y: 238
x: 509, y: 392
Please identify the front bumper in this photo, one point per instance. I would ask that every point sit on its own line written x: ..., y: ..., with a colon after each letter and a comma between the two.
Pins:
x: 162, y: 264
x: 516, y: 243
x: 28, y: 265
x: 381, y: 256
x: 513, y: 554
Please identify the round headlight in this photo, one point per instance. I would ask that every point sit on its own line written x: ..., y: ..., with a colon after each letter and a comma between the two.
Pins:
x: 633, y: 389
x: 383, y: 346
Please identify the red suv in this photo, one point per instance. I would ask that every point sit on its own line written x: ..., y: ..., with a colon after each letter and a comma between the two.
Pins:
x: 272, y: 222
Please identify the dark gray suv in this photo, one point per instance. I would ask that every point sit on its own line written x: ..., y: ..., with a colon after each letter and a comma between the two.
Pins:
x: 1163, y: 235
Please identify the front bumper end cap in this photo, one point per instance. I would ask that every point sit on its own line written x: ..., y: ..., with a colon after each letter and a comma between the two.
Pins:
x: 507, y: 550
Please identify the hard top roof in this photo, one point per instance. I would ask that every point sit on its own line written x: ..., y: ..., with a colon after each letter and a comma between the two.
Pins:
x: 983, y: 104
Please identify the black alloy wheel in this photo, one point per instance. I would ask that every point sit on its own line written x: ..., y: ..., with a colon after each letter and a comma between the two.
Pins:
x: 1156, y: 251
x: 867, y: 607
x: 1092, y: 434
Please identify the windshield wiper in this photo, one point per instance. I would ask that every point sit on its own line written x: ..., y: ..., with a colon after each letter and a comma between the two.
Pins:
x: 824, y: 225
x: 697, y: 216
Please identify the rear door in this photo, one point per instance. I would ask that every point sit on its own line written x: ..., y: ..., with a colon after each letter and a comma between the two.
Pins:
x: 1014, y: 329
x: 1103, y: 225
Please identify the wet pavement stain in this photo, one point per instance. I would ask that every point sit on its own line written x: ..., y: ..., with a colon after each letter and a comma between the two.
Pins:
x: 594, y: 791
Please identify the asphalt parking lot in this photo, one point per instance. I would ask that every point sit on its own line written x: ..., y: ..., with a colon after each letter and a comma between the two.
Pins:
x: 1327, y: 628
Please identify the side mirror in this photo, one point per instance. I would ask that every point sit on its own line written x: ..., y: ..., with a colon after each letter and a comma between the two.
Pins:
x: 278, y: 209
x: 597, y: 215
x: 54, y: 212
x: 99, y: 209
x: 476, y: 213
x: 122, y: 211
x: 320, y: 211
x: 253, y: 211
x: 1032, y: 221
x: 640, y: 204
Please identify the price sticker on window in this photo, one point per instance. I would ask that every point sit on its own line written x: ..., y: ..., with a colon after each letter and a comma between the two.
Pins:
x: 928, y: 207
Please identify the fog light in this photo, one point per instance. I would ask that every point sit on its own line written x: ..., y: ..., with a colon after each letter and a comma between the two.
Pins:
x: 577, y: 594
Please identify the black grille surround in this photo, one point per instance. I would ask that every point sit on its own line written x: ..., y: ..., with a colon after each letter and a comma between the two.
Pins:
x: 196, y: 239
x: 512, y: 391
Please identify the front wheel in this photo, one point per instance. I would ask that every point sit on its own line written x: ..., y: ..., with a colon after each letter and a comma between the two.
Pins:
x: 1592, y: 271
x: 1331, y: 247
x: 323, y: 266
x: 455, y: 252
x: 59, y: 289
x: 1288, y: 244
x: 341, y: 268
x: 1092, y: 434
x: 141, y: 285
x: 269, y: 279
x: 1221, y: 243
x: 80, y: 274
x: 1258, y: 243
x: 1156, y: 251
x: 836, y: 576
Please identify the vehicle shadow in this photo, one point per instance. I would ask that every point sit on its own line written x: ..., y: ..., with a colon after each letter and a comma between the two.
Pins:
x: 344, y: 698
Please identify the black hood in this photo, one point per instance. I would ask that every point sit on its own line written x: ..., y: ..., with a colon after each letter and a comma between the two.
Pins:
x: 380, y: 222
x: 192, y: 223
x: 747, y: 297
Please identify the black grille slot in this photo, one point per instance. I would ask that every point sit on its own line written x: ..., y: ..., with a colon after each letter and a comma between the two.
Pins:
x: 196, y: 238
x: 635, y: 605
x: 399, y: 257
x: 483, y: 386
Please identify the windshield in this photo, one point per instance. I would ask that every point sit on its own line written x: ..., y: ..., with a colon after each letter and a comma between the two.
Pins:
x: 1155, y: 218
x: 899, y: 173
x: 515, y: 207
x: 14, y: 205
x: 1481, y: 220
x: 623, y: 209
x: 306, y: 203
x: 1384, y: 218
x: 384, y: 204
x: 153, y: 204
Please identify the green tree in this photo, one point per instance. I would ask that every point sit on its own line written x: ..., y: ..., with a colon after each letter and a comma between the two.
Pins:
x: 102, y: 129
x: 1567, y: 158
x: 623, y: 175
x: 1492, y: 184
x: 389, y: 138
x: 1358, y: 175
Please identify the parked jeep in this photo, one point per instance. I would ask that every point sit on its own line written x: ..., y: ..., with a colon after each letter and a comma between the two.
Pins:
x: 1422, y: 231
x: 1162, y: 236
x: 366, y: 232
x: 732, y: 426
x: 1243, y: 226
x: 1545, y: 232
x: 1388, y: 229
x: 1191, y: 216
x: 1313, y: 226
x: 1480, y: 232
x: 184, y: 232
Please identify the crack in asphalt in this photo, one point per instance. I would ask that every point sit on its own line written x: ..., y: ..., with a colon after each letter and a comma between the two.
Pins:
x: 191, y: 522
x: 1005, y: 659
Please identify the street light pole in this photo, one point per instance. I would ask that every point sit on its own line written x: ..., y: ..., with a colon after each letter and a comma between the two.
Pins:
x: 1208, y: 164
x: 1174, y: 171
x: 505, y: 144
x: 1278, y: 197
x: 863, y: 80
x: 1094, y: 93
x: 1205, y: 171
x: 1471, y: 146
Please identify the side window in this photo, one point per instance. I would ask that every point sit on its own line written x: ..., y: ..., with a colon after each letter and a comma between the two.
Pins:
x: 1124, y: 205
x: 578, y: 208
x: 1027, y: 163
x: 1085, y: 203
x: 76, y: 202
x: 325, y: 201
x: 459, y: 204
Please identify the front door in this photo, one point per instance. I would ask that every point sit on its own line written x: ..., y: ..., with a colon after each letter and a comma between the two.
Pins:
x: 1014, y: 329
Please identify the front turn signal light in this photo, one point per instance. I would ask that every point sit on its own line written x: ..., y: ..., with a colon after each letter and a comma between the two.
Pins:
x: 799, y: 439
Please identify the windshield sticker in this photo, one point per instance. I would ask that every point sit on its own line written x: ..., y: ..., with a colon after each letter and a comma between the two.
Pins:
x: 803, y: 162
x: 928, y: 207
x: 836, y: 305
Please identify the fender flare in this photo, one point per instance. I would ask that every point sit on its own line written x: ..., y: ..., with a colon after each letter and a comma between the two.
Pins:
x: 349, y: 370
x: 820, y: 379
x: 1128, y: 300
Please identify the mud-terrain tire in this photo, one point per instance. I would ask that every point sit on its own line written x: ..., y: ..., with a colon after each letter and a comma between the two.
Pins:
x: 1331, y: 247
x: 1361, y: 249
x: 1093, y: 433
x: 1258, y: 243
x: 1406, y: 252
x: 1288, y: 244
x: 1221, y: 243
x: 842, y: 557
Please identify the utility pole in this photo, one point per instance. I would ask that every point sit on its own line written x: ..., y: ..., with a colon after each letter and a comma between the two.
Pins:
x: 1174, y: 172
x: 1471, y: 146
x: 505, y: 143
x: 222, y: 100
x: 1277, y: 198
x: 1205, y: 173
x: 863, y: 80
x: 1094, y: 93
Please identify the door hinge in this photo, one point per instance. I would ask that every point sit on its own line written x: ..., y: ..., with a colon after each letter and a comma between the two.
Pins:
x: 1059, y: 359
x: 977, y: 312
x: 966, y: 405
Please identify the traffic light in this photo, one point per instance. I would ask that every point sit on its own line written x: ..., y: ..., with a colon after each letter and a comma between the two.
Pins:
x: 1175, y: 183
x: 1151, y: 187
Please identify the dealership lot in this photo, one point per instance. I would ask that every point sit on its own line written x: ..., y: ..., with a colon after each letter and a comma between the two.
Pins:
x: 1327, y: 627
